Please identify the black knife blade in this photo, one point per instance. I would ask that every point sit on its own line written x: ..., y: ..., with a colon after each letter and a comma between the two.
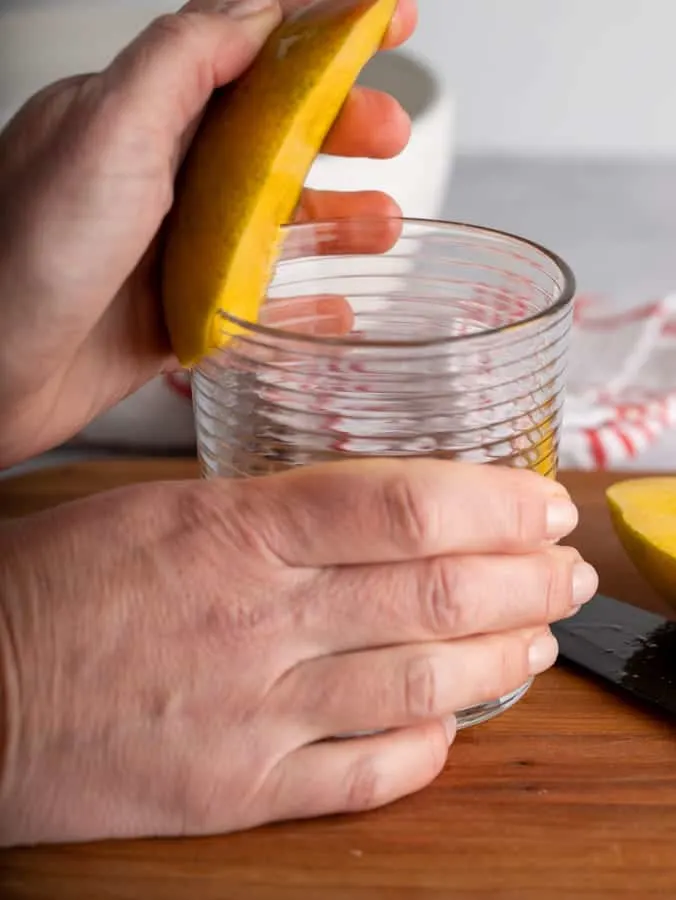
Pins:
x: 633, y: 650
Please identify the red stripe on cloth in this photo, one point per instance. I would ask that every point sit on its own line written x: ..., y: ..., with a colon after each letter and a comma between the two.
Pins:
x: 625, y: 440
x: 582, y: 303
x: 607, y: 321
x: 596, y: 448
x: 177, y: 383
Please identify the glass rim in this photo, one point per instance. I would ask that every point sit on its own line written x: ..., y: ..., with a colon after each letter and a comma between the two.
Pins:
x: 565, y: 298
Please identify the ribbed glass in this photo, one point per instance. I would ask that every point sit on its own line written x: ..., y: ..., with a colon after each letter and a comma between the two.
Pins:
x: 392, y: 338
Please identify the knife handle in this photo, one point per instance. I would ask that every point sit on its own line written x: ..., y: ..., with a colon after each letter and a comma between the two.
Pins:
x: 629, y: 648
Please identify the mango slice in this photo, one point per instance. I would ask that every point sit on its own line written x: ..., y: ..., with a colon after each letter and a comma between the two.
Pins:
x: 543, y: 457
x: 245, y: 171
x: 644, y: 516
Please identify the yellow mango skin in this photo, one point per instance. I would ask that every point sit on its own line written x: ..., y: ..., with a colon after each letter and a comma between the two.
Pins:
x: 245, y: 172
x: 644, y: 516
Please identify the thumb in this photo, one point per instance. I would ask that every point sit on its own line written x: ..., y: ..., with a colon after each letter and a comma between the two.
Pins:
x: 93, y: 190
x: 169, y: 72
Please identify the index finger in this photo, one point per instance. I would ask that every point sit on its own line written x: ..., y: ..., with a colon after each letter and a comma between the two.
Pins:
x: 403, y: 24
x: 382, y: 511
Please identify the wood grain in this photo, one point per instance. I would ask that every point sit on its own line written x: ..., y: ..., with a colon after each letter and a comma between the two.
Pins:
x: 570, y: 795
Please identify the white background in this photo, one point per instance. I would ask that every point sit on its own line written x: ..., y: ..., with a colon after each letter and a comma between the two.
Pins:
x: 557, y: 76
x: 531, y: 76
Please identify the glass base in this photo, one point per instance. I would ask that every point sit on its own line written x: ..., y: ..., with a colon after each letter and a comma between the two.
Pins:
x: 466, y: 718
x: 475, y: 715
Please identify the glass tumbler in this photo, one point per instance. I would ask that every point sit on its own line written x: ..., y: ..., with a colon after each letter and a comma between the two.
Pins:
x: 389, y: 337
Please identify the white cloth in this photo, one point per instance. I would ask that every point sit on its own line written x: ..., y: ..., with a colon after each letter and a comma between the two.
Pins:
x: 622, y: 383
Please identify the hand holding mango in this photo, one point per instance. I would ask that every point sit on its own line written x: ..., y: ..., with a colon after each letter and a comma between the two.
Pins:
x: 88, y: 169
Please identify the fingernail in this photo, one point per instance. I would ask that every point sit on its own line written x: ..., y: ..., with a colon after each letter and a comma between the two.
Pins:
x: 451, y: 727
x: 542, y: 654
x: 562, y: 518
x: 585, y: 583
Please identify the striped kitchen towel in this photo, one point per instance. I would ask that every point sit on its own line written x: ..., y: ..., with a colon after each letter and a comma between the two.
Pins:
x: 622, y: 382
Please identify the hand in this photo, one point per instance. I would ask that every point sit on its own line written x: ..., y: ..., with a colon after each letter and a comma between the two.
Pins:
x: 86, y: 179
x: 177, y: 656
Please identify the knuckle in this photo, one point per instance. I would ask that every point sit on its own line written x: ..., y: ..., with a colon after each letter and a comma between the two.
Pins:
x: 273, y: 519
x: 172, y: 27
x: 227, y: 513
x: 54, y: 95
x: 440, y: 596
x: 198, y: 508
x: 556, y: 574
x: 515, y: 664
x: 507, y: 667
x: 364, y: 788
x: 523, y: 521
x: 436, y: 750
x: 526, y: 520
x: 420, y: 688
x: 411, y: 517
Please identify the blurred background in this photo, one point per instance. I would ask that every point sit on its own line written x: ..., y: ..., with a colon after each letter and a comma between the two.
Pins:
x: 580, y: 77
x: 555, y: 120
x: 566, y: 129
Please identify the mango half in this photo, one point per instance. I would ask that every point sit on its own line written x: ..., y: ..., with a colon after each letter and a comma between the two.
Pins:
x: 644, y: 516
x: 245, y: 171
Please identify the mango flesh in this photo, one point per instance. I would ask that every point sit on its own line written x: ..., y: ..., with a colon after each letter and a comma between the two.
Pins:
x: 245, y: 172
x: 543, y: 457
x: 644, y: 516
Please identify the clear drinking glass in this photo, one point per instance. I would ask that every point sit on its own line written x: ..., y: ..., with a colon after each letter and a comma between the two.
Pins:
x: 457, y: 349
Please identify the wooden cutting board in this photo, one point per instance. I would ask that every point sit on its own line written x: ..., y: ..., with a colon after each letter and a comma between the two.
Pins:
x: 570, y: 795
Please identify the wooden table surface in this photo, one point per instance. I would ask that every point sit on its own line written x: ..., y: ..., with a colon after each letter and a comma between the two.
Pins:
x: 572, y: 794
